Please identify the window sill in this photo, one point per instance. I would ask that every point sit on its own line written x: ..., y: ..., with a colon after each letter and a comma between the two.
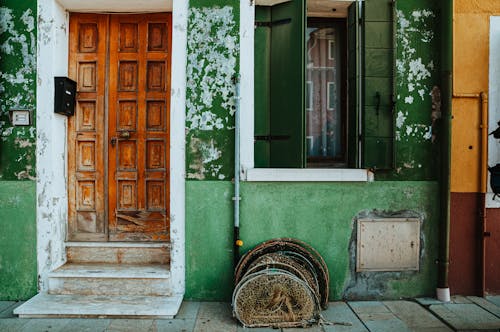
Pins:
x: 308, y: 175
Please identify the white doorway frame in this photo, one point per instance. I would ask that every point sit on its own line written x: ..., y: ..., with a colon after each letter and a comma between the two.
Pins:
x: 51, y: 155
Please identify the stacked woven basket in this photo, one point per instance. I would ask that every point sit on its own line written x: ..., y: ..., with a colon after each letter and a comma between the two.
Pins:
x: 280, y: 283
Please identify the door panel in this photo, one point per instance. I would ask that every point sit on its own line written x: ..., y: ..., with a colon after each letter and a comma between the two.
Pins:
x: 119, y: 137
x: 86, y: 150
x: 138, y: 127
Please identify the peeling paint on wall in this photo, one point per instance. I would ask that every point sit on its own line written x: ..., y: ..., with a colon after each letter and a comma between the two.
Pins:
x: 414, y: 72
x: 17, y: 85
x: 213, y: 49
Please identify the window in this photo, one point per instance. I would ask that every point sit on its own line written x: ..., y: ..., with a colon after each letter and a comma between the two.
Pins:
x: 324, y: 84
x: 326, y: 69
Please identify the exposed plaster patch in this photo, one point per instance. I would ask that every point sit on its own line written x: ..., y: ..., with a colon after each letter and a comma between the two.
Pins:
x: 206, y: 156
x: 409, y: 100
x: 414, y: 72
x: 400, y: 120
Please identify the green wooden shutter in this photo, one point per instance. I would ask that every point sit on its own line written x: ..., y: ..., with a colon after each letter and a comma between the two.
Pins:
x: 353, y: 85
x: 378, y: 79
x: 287, y: 85
x: 279, y: 118
x: 262, y: 89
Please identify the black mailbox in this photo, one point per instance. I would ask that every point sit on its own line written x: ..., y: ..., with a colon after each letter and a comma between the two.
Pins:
x: 65, y: 96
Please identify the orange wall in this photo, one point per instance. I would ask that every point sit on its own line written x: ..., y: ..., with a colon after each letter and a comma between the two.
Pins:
x: 470, y: 76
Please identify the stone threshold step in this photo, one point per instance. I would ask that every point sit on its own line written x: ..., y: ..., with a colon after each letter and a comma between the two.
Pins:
x: 119, y: 244
x: 102, y: 270
x: 98, y: 306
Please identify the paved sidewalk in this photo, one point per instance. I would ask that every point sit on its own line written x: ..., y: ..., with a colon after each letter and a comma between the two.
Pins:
x: 462, y: 314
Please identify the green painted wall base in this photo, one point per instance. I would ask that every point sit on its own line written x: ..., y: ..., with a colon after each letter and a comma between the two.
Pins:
x: 18, y: 270
x: 322, y: 214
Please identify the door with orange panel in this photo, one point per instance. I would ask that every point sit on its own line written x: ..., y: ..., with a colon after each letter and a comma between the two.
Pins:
x: 126, y: 195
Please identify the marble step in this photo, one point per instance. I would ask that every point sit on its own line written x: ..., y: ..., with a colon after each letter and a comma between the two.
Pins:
x: 110, y: 279
x: 118, y: 252
x: 92, y: 306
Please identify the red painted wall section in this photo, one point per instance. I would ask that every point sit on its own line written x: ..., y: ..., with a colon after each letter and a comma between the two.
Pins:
x: 492, y: 246
x: 465, y: 245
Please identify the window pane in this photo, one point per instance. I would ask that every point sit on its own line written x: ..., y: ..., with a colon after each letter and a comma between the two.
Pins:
x: 324, y: 116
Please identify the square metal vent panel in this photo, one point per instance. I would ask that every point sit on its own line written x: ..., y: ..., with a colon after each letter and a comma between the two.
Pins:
x: 388, y: 244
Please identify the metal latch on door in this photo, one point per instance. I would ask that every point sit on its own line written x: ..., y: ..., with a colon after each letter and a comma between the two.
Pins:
x: 123, y: 134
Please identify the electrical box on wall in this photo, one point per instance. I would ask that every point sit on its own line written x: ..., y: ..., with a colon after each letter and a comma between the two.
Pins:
x: 64, y: 96
x: 388, y: 244
x: 20, y: 117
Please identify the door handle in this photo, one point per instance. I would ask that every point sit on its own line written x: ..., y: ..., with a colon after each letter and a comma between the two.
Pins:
x: 123, y: 134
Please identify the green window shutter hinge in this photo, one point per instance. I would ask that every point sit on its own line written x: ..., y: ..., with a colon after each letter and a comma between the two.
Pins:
x: 273, y: 23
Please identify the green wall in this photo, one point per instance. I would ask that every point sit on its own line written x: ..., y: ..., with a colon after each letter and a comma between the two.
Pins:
x: 18, y: 273
x: 322, y: 214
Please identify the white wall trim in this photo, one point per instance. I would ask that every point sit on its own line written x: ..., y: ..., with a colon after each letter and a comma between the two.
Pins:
x: 494, y: 103
x: 178, y: 145
x: 247, y: 19
x: 51, y: 169
x: 117, y: 6
x: 308, y: 175
x: 51, y: 162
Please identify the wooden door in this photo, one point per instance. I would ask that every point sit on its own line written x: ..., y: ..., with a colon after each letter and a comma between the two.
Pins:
x: 138, y: 127
x: 119, y: 137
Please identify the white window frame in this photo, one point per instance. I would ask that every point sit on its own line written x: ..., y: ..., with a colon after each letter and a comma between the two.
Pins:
x: 247, y: 170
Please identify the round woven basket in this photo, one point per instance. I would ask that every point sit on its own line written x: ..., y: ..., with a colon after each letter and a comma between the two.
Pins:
x: 275, y: 297
x: 292, y: 248
x: 280, y: 283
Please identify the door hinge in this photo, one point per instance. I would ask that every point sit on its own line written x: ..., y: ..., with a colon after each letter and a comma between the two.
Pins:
x: 273, y: 23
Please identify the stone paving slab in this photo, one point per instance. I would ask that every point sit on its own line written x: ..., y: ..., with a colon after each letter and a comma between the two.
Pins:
x: 494, y: 299
x: 188, y: 310
x: 178, y: 325
x: 44, y: 325
x: 215, y: 316
x: 12, y: 324
x: 415, y: 316
x: 88, y: 324
x: 339, y: 312
x: 132, y: 325
x: 486, y: 305
x: 427, y: 301
x: 377, y: 317
x: 7, y: 312
x: 466, y: 316
x: 4, y: 305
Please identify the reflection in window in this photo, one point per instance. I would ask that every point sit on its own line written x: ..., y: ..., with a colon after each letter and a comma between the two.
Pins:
x: 324, y: 119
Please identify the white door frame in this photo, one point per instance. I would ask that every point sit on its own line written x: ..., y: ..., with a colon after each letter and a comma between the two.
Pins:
x: 51, y: 142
